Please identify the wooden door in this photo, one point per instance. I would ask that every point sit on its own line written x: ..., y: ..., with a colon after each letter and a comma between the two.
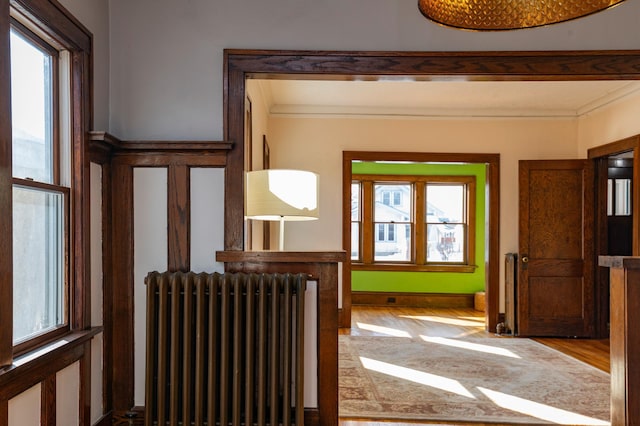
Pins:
x: 556, y: 226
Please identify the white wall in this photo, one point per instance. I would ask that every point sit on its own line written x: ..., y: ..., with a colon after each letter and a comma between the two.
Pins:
x: 94, y: 15
x: 317, y: 144
x: 618, y: 121
x: 167, y: 55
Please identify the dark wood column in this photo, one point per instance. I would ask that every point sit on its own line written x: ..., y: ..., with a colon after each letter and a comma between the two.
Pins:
x: 625, y: 338
x: 323, y: 267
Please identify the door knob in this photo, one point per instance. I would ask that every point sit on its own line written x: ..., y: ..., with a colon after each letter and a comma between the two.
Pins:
x: 525, y: 259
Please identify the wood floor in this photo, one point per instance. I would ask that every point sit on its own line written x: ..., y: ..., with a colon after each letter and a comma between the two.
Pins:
x: 383, y: 321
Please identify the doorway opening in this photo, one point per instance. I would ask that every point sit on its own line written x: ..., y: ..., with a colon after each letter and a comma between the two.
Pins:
x: 241, y: 65
x: 367, y: 248
x: 617, y: 221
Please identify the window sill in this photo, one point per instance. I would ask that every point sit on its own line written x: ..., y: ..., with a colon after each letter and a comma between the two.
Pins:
x: 36, y: 365
x: 466, y: 269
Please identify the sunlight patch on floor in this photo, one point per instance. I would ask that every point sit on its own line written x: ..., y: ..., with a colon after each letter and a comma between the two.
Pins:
x: 443, y: 320
x: 471, y: 346
x: 432, y: 380
x: 383, y: 330
x: 539, y: 411
x: 478, y: 320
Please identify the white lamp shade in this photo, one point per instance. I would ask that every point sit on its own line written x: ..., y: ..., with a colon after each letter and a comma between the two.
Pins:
x: 274, y: 194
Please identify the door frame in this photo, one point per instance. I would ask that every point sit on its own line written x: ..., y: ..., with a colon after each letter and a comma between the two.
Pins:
x: 492, y: 212
x: 599, y: 155
x: 240, y: 64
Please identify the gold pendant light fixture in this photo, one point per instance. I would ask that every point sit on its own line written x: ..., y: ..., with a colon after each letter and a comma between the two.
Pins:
x: 494, y: 15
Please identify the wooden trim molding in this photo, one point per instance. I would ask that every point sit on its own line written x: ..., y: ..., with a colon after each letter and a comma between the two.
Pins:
x: 6, y: 244
x: 119, y: 320
x: 492, y: 226
x: 34, y: 367
x: 48, y: 401
x: 625, y: 337
x: 334, y: 65
x: 103, y: 141
x: 4, y: 412
x: 179, y: 216
x: 422, y: 300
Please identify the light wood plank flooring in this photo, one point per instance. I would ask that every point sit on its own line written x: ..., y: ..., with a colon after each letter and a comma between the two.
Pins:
x: 373, y: 320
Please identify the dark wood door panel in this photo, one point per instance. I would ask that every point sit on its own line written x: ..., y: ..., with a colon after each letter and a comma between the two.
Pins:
x: 555, y: 285
x: 555, y: 297
x: 555, y: 207
x: 555, y: 267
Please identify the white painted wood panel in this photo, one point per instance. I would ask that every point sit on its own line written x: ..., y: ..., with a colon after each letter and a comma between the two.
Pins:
x: 24, y: 409
x: 67, y: 395
x: 150, y: 254
x: 207, y: 217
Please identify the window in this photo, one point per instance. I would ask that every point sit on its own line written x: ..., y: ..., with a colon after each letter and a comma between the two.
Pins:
x: 445, y: 222
x: 619, y: 197
x: 393, y: 222
x: 356, y: 219
x: 40, y: 192
x: 413, y: 222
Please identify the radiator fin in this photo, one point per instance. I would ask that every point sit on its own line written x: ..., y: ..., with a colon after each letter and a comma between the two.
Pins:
x: 225, y: 349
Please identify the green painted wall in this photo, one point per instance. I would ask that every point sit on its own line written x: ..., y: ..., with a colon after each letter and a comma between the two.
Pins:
x: 428, y: 282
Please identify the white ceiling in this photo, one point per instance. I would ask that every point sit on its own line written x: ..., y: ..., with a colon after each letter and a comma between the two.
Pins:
x: 443, y: 98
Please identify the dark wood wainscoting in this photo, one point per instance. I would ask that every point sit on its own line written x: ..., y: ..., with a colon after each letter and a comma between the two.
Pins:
x: 118, y: 160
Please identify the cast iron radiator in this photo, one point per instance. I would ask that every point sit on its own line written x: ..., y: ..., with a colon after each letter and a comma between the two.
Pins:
x: 224, y: 349
x: 511, y: 283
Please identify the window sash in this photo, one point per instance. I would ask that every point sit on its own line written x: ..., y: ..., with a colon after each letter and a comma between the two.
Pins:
x: 373, y: 233
x: 41, y: 211
x: 50, y: 163
x: 41, y: 267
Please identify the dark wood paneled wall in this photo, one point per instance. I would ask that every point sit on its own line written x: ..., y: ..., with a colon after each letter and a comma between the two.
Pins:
x: 118, y: 159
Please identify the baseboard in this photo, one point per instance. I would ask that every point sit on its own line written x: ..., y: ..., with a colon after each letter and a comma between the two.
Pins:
x: 106, y: 420
x: 420, y: 300
x: 311, y: 417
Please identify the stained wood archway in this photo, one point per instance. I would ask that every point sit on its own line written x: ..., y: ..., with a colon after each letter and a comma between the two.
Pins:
x: 335, y: 65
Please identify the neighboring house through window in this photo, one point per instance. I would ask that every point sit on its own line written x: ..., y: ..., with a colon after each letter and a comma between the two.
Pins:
x: 412, y: 222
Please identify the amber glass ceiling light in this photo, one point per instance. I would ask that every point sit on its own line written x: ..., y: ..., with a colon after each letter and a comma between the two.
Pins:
x: 493, y: 15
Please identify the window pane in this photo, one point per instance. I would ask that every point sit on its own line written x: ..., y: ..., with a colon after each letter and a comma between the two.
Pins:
x: 445, y: 203
x: 38, y: 249
x: 445, y: 243
x: 609, y: 197
x: 623, y: 197
x: 355, y: 201
x: 393, y: 242
x: 31, y: 110
x: 384, y: 194
x: 355, y: 241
